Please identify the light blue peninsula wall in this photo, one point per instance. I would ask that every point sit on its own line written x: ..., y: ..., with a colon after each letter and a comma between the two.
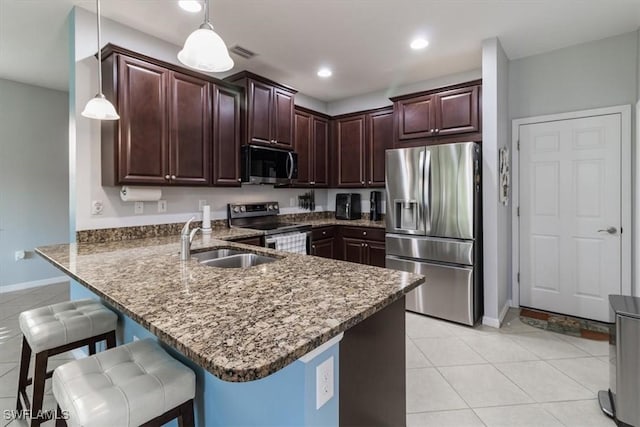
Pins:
x: 285, y: 398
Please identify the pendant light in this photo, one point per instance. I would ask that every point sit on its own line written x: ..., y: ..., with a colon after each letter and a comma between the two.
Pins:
x: 204, y: 50
x: 99, y: 107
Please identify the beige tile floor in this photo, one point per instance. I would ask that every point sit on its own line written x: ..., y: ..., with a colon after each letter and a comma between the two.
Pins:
x: 514, y: 376
x: 456, y: 376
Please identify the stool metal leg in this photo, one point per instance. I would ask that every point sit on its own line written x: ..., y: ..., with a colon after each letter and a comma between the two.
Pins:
x: 111, y: 340
x: 60, y: 422
x: 39, y: 378
x: 185, y: 419
x: 24, y: 371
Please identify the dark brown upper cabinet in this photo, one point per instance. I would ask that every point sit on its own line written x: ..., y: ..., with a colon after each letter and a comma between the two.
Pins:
x: 176, y: 127
x: 438, y: 116
x: 311, y: 142
x: 350, y: 150
x: 268, y: 111
x: 226, y: 136
x: 360, y: 144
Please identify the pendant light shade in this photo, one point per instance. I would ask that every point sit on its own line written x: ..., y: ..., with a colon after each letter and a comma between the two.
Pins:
x: 204, y: 49
x: 99, y: 107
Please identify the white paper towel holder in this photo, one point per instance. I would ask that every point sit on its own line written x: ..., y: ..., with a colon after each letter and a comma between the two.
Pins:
x: 152, y: 194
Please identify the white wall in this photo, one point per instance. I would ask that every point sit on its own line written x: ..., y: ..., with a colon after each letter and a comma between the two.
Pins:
x: 496, y: 217
x: 590, y: 75
x: 379, y: 99
x: 182, y: 202
x: 33, y: 178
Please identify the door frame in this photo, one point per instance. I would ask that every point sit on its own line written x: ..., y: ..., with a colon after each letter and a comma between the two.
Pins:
x: 626, y: 190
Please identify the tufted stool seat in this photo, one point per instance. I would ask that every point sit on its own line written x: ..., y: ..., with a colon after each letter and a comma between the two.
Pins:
x: 55, y: 329
x: 131, y: 385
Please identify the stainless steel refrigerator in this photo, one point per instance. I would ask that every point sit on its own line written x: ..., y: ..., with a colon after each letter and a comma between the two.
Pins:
x: 433, y: 221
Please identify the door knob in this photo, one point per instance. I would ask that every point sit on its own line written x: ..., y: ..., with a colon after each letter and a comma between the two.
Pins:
x: 610, y: 230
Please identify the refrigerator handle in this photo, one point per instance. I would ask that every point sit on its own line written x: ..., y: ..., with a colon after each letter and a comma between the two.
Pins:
x: 427, y: 191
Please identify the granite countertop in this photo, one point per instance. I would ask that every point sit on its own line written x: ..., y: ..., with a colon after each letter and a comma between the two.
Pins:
x: 239, y: 324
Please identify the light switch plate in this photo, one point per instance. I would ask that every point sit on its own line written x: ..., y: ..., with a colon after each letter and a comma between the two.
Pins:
x: 138, y: 208
x: 96, y: 207
x: 324, y: 382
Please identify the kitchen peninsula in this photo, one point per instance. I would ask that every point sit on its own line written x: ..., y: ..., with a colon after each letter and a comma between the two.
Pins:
x: 255, y: 336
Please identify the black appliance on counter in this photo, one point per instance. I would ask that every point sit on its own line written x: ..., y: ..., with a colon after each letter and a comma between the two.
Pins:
x: 348, y: 206
x: 375, y: 211
x: 265, y: 165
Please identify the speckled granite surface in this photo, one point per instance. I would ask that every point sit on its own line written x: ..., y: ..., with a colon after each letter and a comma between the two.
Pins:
x: 316, y: 219
x: 239, y: 324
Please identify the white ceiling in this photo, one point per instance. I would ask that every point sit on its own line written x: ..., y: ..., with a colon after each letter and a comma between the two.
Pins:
x: 365, y: 42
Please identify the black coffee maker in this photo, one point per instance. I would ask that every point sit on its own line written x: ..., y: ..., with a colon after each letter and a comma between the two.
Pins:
x: 375, y: 211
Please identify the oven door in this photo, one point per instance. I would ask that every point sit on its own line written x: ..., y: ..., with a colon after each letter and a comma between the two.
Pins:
x: 264, y: 165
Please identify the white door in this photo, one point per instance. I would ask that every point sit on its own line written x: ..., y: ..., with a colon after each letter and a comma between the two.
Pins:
x: 570, y: 215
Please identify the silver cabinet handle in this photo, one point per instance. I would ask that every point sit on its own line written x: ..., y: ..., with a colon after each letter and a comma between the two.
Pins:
x: 370, y: 182
x: 610, y: 230
x: 437, y: 130
x: 312, y: 183
x: 167, y: 177
x: 324, y: 233
x: 364, y: 233
x: 362, y: 182
x: 239, y: 179
x: 173, y: 177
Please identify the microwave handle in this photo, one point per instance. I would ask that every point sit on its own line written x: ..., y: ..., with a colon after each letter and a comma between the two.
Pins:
x: 289, y: 165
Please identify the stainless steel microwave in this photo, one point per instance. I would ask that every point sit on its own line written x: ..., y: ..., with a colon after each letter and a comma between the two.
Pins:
x: 266, y: 165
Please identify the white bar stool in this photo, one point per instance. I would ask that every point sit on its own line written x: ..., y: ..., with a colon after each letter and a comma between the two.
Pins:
x: 52, y: 330
x: 136, y: 384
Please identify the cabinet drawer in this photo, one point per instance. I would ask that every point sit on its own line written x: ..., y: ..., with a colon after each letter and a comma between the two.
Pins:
x: 323, y: 233
x: 366, y: 233
x: 255, y: 241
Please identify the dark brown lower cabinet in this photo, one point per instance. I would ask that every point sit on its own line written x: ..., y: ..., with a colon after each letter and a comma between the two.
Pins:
x: 353, y: 250
x: 323, y: 248
x: 255, y: 241
x: 376, y: 253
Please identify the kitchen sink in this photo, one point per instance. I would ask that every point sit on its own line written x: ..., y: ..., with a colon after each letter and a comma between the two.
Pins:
x: 215, y: 254
x: 231, y: 258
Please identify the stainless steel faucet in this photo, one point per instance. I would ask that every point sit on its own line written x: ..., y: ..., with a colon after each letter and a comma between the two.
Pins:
x: 186, y: 238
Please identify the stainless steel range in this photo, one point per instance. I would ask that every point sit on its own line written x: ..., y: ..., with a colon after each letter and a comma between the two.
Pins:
x: 264, y: 216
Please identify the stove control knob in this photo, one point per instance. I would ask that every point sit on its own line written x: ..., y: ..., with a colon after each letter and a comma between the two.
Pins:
x: 242, y: 209
x: 275, y: 207
x: 236, y: 209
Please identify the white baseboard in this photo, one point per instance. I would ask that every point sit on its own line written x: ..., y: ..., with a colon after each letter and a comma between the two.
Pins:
x: 33, y: 284
x: 492, y: 321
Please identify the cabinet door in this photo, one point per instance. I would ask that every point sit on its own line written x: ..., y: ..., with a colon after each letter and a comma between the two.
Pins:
x: 379, y: 138
x: 415, y: 117
x: 304, y: 147
x: 320, y: 152
x: 283, y: 108
x: 259, y: 118
x: 457, y: 111
x: 226, y: 136
x: 323, y: 248
x: 350, y: 144
x: 143, y: 156
x: 254, y: 241
x: 190, y: 135
x: 376, y: 253
x: 353, y: 250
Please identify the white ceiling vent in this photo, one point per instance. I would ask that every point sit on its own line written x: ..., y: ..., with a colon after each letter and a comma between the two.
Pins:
x: 242, y: 52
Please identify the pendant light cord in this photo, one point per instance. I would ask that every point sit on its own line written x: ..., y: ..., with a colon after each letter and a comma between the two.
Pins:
x: 206, y: 12
x: 99, y: 49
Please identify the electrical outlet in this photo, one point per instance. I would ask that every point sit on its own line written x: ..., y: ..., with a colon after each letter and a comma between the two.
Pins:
x: 18, y: 255
x: 201, y: 204
x: 324, y: 382
x: 97, y: 207
x: 138, y: 208
x: 162, y: 206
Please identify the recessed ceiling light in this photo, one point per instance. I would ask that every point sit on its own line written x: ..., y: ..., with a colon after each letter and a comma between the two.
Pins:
x: 192, y: 6
x: 419, y: 43
x: 324, y: 72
